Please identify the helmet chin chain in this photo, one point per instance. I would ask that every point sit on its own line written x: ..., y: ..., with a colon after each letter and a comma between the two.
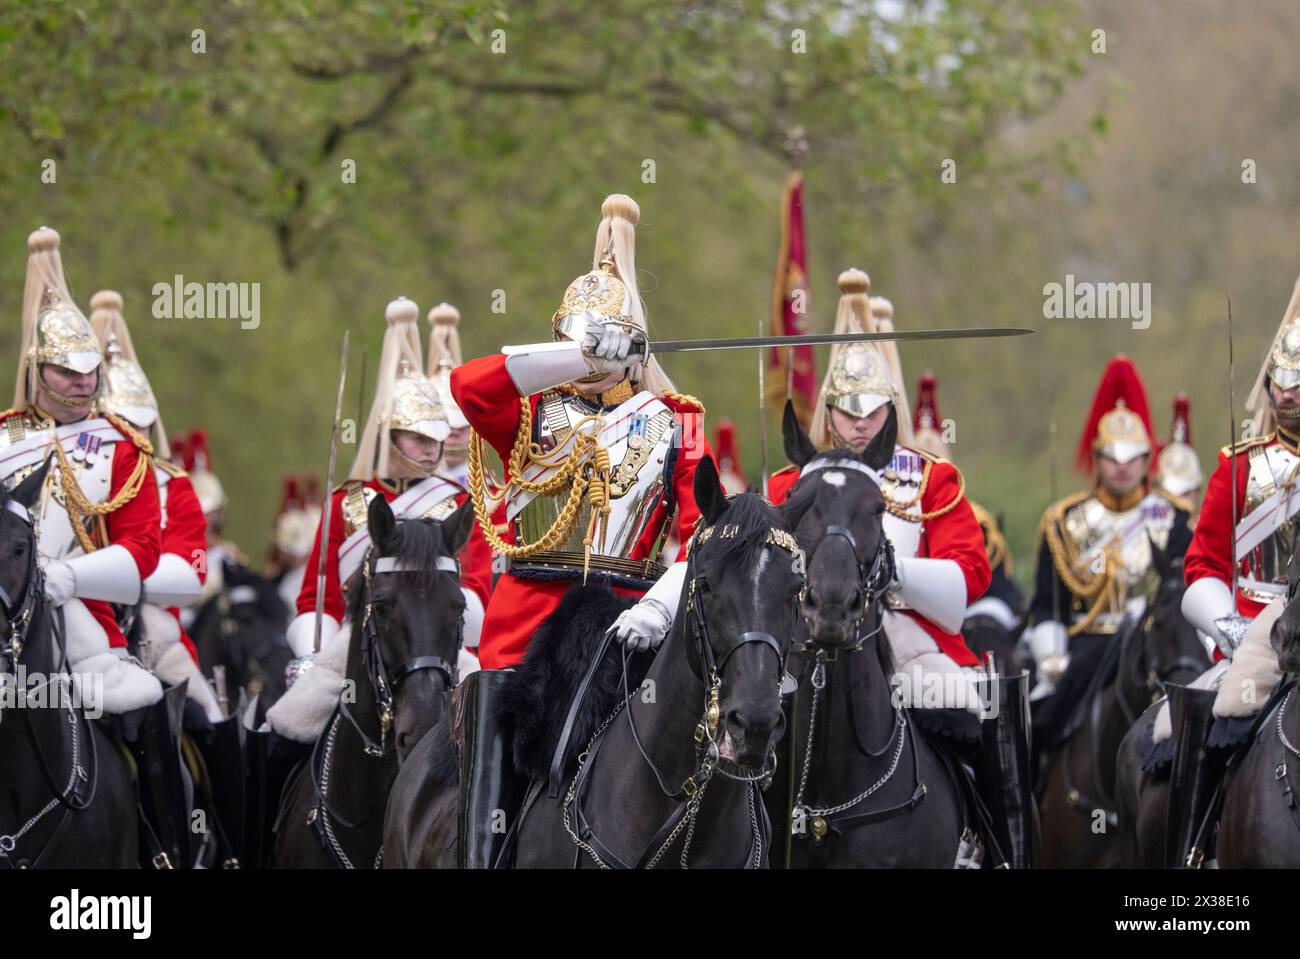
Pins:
x: 1287, y: 416
x: 413, y: 465
x: 840, y: 441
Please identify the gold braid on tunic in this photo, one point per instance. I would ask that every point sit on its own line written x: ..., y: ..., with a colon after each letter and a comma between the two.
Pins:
x: 1102, y: 587
x: 80, y: 508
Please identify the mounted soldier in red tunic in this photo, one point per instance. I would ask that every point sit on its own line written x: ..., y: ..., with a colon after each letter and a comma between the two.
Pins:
x: 97, y: 519
x: 600, y: 457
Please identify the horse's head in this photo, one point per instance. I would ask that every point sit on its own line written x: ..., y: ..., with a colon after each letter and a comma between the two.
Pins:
x: 411, y: 612
x: 256, y: 612
x: 1285, y: 635
x: 1172, y: 652
x: 744, y: 581
x: 837, y: 512
x: 19, y: 575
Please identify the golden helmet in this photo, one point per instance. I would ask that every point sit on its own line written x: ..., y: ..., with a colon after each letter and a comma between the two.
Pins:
x: 126, y: 390
x: 1178, y: 470
x: 860, y: 381
x: 416, y: 405
x: 1119, y: 422
x: 1284, y: 357
x: 598, y: 296
x: 63, y: 334
x: 1121, y: 436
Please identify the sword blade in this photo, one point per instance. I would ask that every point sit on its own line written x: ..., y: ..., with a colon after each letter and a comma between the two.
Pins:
x: 823, y: 339
x: 327, y: 500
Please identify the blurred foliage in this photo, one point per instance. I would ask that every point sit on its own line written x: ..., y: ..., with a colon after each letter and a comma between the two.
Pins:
x: 481, y: 169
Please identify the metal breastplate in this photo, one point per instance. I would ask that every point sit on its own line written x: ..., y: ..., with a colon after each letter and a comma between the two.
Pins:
x: 1269, y: 466
x: 1091, y: 527
x: 437, y: 502
x: 638, y: 435
x: 91, y: 459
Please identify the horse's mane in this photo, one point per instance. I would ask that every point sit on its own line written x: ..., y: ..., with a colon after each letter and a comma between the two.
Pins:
x: 538, y: 694
x: 751, y: 516
x: 420, y: 543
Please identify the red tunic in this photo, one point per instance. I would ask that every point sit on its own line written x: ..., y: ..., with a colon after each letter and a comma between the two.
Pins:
x: 1210, y: 553
x: 475, y: 558
x: 185, y: 534
x: 956, y: 535
x: 487, y: 396
x: 136, y: 525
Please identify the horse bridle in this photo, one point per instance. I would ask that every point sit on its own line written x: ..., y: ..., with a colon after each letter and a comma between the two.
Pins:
x: 19, y: 615
x: 707, y: 664
x: 382, y: 682
x: 874, y: 580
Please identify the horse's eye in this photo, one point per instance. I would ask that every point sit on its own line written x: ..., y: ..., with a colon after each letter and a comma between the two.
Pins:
x: 879, y: 508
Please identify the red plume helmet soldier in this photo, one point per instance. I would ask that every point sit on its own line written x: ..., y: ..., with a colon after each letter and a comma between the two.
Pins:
x: 1094, y: 553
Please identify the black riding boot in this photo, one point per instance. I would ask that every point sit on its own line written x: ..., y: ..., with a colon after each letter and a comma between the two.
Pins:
x: 269, y: 762
x: 157, y: 751
x: 490, y: 791
x: 1003, y: 775
x: 222, y: 748
x: 1193, y: 779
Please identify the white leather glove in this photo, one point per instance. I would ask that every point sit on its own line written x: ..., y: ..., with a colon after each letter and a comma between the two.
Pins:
x: 645, y: 625
x: 609, y: 347
x: 642, y: 626
x: 60, y: 582
x: 1206, y: 601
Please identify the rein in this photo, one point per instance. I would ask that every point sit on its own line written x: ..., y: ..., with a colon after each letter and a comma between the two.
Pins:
x: 707, y: 664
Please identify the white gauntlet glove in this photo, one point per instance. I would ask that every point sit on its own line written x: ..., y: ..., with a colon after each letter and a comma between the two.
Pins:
x: 643, y: 626
x: 60, y: 582
x: 609, y: 347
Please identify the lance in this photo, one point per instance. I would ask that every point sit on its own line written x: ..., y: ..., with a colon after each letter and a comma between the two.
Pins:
x: 327, y: 512
x: 1233, y: 626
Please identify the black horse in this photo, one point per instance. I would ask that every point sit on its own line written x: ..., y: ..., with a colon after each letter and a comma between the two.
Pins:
x: 867, y: 789
x: 67, y: 798
x: 1087, y: 788
x: 406, y: 610
x: 1259, y: 822
x: 665, y: 765
x: 239, y: 634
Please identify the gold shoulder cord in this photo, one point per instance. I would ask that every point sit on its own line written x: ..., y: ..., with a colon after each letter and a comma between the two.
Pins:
x: 995, y: 544
x: 900, y: 509
x: 1100, y: 589
x: 585, y: 472
x: 79, y: 507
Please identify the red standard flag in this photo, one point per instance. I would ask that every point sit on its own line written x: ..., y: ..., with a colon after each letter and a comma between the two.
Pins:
x: 791, y: 370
